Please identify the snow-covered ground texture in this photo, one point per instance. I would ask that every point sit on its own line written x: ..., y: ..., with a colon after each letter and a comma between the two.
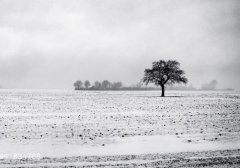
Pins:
x: 119, y: 129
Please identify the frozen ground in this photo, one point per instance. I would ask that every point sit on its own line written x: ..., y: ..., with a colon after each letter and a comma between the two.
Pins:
x: 119, y: 128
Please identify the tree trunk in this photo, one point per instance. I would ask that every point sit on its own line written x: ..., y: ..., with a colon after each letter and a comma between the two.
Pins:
x: 163, y: 91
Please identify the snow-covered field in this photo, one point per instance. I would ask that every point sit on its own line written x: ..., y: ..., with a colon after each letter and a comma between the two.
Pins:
x: 119, y: 129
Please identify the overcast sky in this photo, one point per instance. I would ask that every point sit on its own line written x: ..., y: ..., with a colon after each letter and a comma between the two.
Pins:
x: 50, y: 44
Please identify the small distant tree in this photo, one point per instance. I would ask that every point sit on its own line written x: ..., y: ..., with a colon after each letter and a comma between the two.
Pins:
x: 210, y: 86
x: 163, y: 73
x: 138, y: 85
x: 97, y: 85
x: 106, y: 84
x: 78, y: 85
x: 87, y: 84
x: 116, y: 85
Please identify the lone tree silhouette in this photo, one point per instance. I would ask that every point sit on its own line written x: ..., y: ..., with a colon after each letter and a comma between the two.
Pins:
x: 164, y: 72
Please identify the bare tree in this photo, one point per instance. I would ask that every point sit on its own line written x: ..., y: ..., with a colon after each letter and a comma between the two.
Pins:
x: 106, y: 84
x: 164, y: 72
x: 87, y: 84
x: 210, y: 86
x: 78, y: 85
x: 116, y: 85
x: 97, y: 85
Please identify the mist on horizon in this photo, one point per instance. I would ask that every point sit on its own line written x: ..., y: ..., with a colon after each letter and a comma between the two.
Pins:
x: 51, y: 44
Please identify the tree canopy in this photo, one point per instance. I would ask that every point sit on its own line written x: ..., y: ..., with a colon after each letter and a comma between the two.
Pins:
x: 87, y: 84
x: 164, y: 72
x: 78, y: 85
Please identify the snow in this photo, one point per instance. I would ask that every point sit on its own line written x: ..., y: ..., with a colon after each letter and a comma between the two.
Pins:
x: 121, y: 146
x: 69, y: 123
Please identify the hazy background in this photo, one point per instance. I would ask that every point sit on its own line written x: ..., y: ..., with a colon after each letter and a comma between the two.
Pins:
x: 50, y: 44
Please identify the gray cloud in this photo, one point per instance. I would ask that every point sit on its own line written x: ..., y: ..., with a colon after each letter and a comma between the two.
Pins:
x: 50, y: 44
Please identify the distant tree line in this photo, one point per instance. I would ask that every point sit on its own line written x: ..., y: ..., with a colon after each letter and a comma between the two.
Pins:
x: 104, y: 85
